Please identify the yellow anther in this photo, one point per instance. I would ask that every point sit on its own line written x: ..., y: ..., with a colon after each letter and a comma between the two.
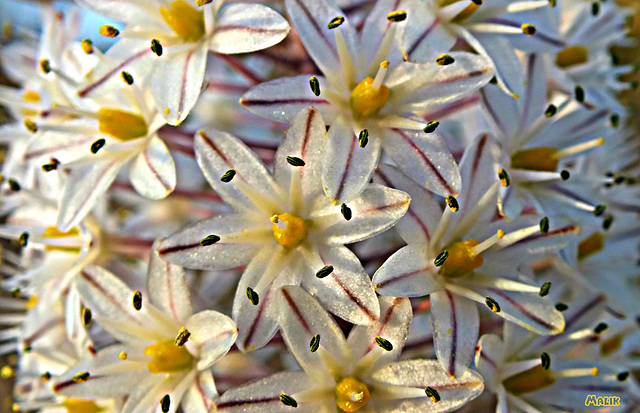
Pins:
x: 32, y: 302
x: 7, y: 372
x: 541, y: 158
x: 530, y: 380
x: 385, y: 64
x: 594, y: 371
x: 610, y: 345
x: 289, y: 230
x: 87, y: 46
x: 572, y: 56
x: 185, y: 20
x: 109, y: 31
x: 351, y: 394
x: 81, y: 406
x: 366, y: 100
x: 501, y: 233
x: 122, y: 125
x: 123, y: 355
x: 592, y: 244
x: 31, y: 96
x: 167, y: 357
x: 462, y: 259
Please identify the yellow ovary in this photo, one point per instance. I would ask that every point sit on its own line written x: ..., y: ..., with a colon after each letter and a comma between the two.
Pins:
x: 572, y: 56
x: 592, y: 244
x: 81, y: 406
x: 366, y: 100
x: 462, y: 259
x: 351, y: 394
x: 167, y: 357
x: 533, y: 379
x: 289, y: 230
x: 122, y: 125
x: 543, y: 159
x: 185, y: 20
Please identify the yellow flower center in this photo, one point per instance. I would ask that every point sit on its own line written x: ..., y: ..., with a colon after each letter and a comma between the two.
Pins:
x: 534, y: 379
x: 351, y: 394
x: 462, y: 259
x: 53, y: 232
x: 366, y: 100
x: 81, y: 406
x: 30, y: 96
x: 122, y: 125
x: 536, y: 159
x: 590, y: 245
x: 572, y: 56
x: 167, y: 357
x: 32, y: 302
x: 465, y: 13
x: 611, y: 345
x: 185, y: 20
x: 289, y: 230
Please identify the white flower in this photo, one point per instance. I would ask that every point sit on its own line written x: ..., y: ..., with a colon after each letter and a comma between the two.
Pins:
x: 182, y: 37
x: 360, y: 372
x: 460, y: 258
x: 284, y: 229
x: 367, y: 90
x: 166, y: 353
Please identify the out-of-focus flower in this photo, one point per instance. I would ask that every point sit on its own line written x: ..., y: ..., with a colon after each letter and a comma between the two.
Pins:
x: 166, y: 352
x: 169, y: 43
x: 284, y: 228
x: 360, y: 372
x: 369, y: 97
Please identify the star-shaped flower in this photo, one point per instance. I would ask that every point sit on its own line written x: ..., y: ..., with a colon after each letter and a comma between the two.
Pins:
x: 370, y: 97
x: 359, y: 373
x: 169, y: 41
x: 284, y: 229
x: 166, y: 352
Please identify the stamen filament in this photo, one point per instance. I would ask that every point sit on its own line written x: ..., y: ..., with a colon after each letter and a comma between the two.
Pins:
x: 513, y: 237
x: 593, y: 371
x: 382, y: 73
x: 581, y: 147
x: 489, y: 242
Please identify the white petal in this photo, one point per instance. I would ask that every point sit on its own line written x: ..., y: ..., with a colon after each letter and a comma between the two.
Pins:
x: 300, y: 318
x: 184, y: 248
x: 347, y: 292
x: 489, y: 358
x: 501, y: 111
x: 424, y: 158
x: 242, y: 28
x: 122, y: 10
x: 263, y: 395
x: 535, y: 93
x: 217, y: 152
x: 176, y: 83
x: 424, y: 85
x: 374, y: 211
x: 393, y: 325
x: 305, y: 139
x: 407, y: 273
x: 423, y: 215
x: 84, y: 185
x: 213, y: 334
x: 281, y: 99
x: 455, y: 330
x: 347, y: 166
x: 419, y: 374
x: 153, y: 173
x: 199, y: 397
x: 425, y: 37
x: 167, y: 287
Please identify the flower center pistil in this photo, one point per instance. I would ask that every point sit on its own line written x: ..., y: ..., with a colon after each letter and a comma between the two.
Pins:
x: 546, y: 159
x: 121, y: 125
x: 185, y: 20
x: 81, y: 406
x: 462, y: 259
x: 289, y: 230
x: 592, y: 244
x: 533, y: 379
x: 167, y: 357
x: 370, y: 95
x: 351, y: 394
x: 572, y: 56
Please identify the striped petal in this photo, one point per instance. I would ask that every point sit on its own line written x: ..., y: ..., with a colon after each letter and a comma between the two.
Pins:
x: 243, y: 28
x: 347, y: 166
x: 413, y: 376
x: 502, y: 112
x: 423, y: 32
x: 534, y: 99
x: 176, y: 83
x: 490, y: 353
x: 393, y: 325
x: 199, y: 397
x: 153, y: 173
x: 183, y: 247
x: 407, y: 273
x: 373, y: 212
x: 305, y: 139
x: 423, y: 215
x: 281, y: 99
x: 116, y: 9
x: 217, y: 152
x: 301, y: 317
x: 167, y: 287
x: 213, y: 334
x: 347, y: 292
x: 424, y: 158
x: 455, y: 330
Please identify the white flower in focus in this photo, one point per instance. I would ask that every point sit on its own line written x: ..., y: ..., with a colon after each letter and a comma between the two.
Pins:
x: 166, y: 352
x: 169, y: 42
x: 360, y: 373
x: 284, y: 229
x: 370, y: 97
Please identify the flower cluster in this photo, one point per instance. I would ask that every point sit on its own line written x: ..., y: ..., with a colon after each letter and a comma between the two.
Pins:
x: 319, y: 206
